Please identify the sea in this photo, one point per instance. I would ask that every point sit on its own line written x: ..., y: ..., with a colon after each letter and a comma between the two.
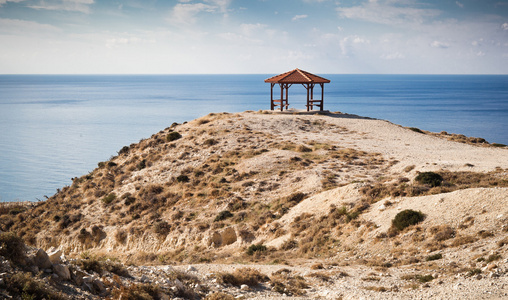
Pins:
x: 56, y: 127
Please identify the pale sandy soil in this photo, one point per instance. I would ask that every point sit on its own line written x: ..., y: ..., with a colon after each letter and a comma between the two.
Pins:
x: 399, y: 147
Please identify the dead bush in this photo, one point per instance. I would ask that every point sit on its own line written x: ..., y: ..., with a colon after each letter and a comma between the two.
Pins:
x: 248, y: 276
x: 442, y: 232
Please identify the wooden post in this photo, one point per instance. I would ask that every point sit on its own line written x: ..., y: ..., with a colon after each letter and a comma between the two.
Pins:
x: 281, y: 96
x: 271, y: 96
x: 322, y: 95
x: 307, y: 87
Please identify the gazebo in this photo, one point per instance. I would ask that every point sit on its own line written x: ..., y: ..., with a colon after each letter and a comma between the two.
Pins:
x: 297, y: 76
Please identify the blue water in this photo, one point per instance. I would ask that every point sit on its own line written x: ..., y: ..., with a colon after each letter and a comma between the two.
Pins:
x: 55, y: 127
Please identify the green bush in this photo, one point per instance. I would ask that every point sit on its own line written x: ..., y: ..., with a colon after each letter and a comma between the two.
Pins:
x: 256, y: 248
x: 418, y: 130
x: 142, y: 164
x: 407, y: 218
x: 173, y: 136
x: 434, y: 257
x: 498, y: 145
x: 430, y: 178
x: 424, y: 278
x: 109, y: 198
x: 223, y: 215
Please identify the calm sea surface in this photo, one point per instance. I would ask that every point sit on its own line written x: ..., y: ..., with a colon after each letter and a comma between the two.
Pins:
x: 53, y: 128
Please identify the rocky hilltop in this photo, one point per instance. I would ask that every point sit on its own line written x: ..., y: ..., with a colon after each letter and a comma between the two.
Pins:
x: 313, y: 205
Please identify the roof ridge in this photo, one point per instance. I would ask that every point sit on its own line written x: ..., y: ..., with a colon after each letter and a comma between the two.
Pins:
x: 303, y: 74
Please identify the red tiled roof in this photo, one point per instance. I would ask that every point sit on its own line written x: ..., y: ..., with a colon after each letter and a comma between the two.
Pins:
x: 297, y: 76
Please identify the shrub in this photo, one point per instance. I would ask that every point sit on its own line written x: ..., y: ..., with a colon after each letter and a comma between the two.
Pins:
x: 223, y: 215
x: 124, y: 150
x: 296, y: 198
x: 182, y: 178
x: 12, y: 247
x: 173, y: 136
x: 84, y: 236
x: 418, y: 130
x: 429, y: 178
x: 162, y: 228
x: 493, y: 257
x: 424, y: 278
x: 137, y: 292
x: 26, y: 286
x: 498, y: 145
x: 121, y: 236
x: 109, y: 198
x: 407, y: 218
x: 210, y: 142
x: 141, y: 165
x: 219, y: 296
x: 302, y: 148
x: 256, y: 248
x: 248, y: 276
x: 434, y: 257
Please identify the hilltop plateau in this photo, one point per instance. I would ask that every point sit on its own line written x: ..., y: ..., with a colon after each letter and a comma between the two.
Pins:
x: 267, y: 204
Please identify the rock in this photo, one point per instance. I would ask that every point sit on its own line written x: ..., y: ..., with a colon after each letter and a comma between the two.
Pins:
x: 78, y: 276
x: 144, y: 278
x: 55, y: 256
x: 179, y: 285
x: 88, y: 279
x: 214, y: 240
x: 42, y: 260
x: 191, y: 269
x: 98, y: 286
x: 62, y: 271
x: 244, y: 287
x: 491, y: 266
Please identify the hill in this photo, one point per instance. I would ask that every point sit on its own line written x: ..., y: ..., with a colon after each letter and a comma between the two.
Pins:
x: 282, y: 191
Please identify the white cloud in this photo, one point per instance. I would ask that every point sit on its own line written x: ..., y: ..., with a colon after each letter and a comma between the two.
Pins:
x: 480, y: 54
x: 65, y: 5
x: 392, y: 56
x: 348, y: 44
x: 438, y: 44
x: 504, y: 26
x: 119, y: 41
x: 461, y: 5
x: 388, y: 12
x: 185, y: 13
x: 2, y: 2
x: 299, y: 17
x: 222, y: 4
x: 15, y: 26
x: 249, y: 29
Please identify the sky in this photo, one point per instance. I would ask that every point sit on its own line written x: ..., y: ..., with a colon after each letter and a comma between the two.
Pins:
x: 253, y: 36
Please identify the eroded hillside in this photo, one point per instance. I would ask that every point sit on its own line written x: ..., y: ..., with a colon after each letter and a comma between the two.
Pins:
x: 286, y: 187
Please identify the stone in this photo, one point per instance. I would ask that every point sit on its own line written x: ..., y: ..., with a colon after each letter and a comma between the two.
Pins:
x: 179, y: 284
x: 99, y: 286
x: 42, y: 260
x: 244, y: 287
x: 78, y: 276
x: 62, y: 271
x: 144, y: 278
x: 55, y: 256
x: 191, y: 269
